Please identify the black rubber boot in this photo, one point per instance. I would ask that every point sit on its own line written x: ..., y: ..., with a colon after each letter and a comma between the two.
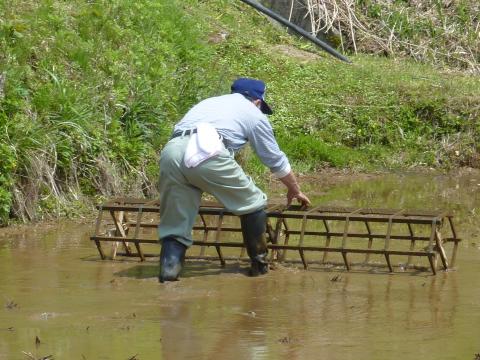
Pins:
x: 253, y: 230
x: 172, y: 257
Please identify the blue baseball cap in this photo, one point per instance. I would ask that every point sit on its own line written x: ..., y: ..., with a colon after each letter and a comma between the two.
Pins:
x: 254, y: 89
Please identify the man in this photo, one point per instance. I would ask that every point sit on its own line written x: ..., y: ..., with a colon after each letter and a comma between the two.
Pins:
x: 234, y: 119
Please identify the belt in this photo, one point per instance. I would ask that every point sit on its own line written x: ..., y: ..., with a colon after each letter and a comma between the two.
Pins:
x: 183, y: 133
x: 190, y: 132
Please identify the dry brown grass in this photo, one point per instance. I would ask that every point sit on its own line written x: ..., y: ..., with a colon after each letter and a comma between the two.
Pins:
x: 444, y: 32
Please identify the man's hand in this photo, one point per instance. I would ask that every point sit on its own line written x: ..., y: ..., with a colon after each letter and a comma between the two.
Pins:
x: 294, y: 190
x: 301, y: 198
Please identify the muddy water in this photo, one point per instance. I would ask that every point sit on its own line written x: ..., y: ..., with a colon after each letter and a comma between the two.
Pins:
x: 53, y: 286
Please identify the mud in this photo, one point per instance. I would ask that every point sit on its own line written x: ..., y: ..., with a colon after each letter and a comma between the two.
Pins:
x: 57, y: 298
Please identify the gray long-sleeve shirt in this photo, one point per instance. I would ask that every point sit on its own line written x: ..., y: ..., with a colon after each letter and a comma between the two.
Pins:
x: 239, y: 121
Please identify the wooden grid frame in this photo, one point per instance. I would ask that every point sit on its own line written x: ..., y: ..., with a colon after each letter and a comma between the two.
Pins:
x: 129, y: 219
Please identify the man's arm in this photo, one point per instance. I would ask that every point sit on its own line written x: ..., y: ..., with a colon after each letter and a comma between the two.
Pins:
x: 264, y: 144
x: 294, y: 191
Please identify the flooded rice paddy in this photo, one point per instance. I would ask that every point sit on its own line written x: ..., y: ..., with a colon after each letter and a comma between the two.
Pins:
x: 58, y: 298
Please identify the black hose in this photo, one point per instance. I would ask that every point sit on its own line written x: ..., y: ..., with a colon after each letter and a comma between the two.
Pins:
x: 298, y: 29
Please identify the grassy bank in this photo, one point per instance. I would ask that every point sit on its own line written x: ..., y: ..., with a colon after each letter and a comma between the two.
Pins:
x: 89, y: 93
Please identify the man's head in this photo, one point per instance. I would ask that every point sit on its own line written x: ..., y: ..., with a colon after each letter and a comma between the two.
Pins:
x: 253, y: 89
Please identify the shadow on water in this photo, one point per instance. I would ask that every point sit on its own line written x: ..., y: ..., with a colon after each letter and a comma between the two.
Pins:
x: 192, y: 269
x: 379, y: 270
x: 139, y: 272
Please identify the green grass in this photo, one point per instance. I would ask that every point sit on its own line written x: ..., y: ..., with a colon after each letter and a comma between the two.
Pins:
x: 92, y: 90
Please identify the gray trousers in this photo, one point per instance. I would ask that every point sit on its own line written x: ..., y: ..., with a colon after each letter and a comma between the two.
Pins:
x: 181, y: 189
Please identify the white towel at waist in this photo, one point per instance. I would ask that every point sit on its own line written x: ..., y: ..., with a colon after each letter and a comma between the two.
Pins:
x: 203, y: 145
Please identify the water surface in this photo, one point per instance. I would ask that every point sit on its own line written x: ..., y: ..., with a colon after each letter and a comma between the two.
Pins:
x: 53, y: 286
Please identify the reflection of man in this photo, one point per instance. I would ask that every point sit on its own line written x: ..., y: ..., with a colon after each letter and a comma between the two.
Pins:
x: 199, y: 157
